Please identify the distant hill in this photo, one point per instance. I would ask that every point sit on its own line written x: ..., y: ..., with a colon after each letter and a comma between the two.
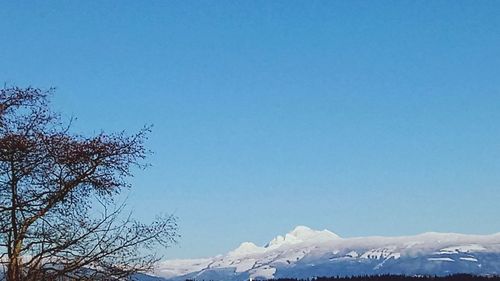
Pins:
x: 305, y: 253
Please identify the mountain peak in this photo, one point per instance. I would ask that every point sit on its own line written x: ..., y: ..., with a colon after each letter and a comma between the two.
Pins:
x: 247, y: 248
x: 301, y: 230
x: 301, y: 234
x: 305, y: 233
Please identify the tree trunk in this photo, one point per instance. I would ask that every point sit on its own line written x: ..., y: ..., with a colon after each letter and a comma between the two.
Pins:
x: 14, y: 269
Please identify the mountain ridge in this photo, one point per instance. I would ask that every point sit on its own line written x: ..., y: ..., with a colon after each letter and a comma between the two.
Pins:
x: 304, y: 252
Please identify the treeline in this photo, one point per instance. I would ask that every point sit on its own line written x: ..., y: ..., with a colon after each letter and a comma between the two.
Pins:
x: 389, y: 277
x: 456, y: 277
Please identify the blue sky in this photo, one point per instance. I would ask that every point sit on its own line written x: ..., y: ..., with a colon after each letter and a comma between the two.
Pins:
x: 362, y: 117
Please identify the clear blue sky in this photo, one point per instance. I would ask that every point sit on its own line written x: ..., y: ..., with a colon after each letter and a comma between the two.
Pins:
x: 363, y: 117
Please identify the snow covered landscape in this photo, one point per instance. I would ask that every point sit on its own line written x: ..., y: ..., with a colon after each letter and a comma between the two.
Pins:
x: 304, y: 252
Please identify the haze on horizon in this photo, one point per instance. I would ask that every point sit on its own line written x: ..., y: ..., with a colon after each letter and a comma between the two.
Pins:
x: 358, y: 117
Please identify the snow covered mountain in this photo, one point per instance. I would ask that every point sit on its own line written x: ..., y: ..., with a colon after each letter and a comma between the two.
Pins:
x: 304, y: 252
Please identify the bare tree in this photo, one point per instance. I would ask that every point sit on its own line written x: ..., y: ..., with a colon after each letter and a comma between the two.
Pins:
x: 58, y: 216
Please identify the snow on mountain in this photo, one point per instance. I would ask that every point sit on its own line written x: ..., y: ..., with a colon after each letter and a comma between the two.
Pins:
x: 247, y: 248
x: 304, y: 252
x: 301, y: 234
x: 173, y: 268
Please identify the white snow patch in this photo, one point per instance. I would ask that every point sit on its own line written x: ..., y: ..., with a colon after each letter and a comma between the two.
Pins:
x: 440, y: 259
x: 301, y: 234
x: 379, y: 253
x: 244, y: 265
x: 172, y: 268
x: 462, y: 249
x: 247, y: 248
x: 290, y: 257
x: 411, y: 244
x: 266, y: 272
x: 469, y: 259
x: 352, y: 254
